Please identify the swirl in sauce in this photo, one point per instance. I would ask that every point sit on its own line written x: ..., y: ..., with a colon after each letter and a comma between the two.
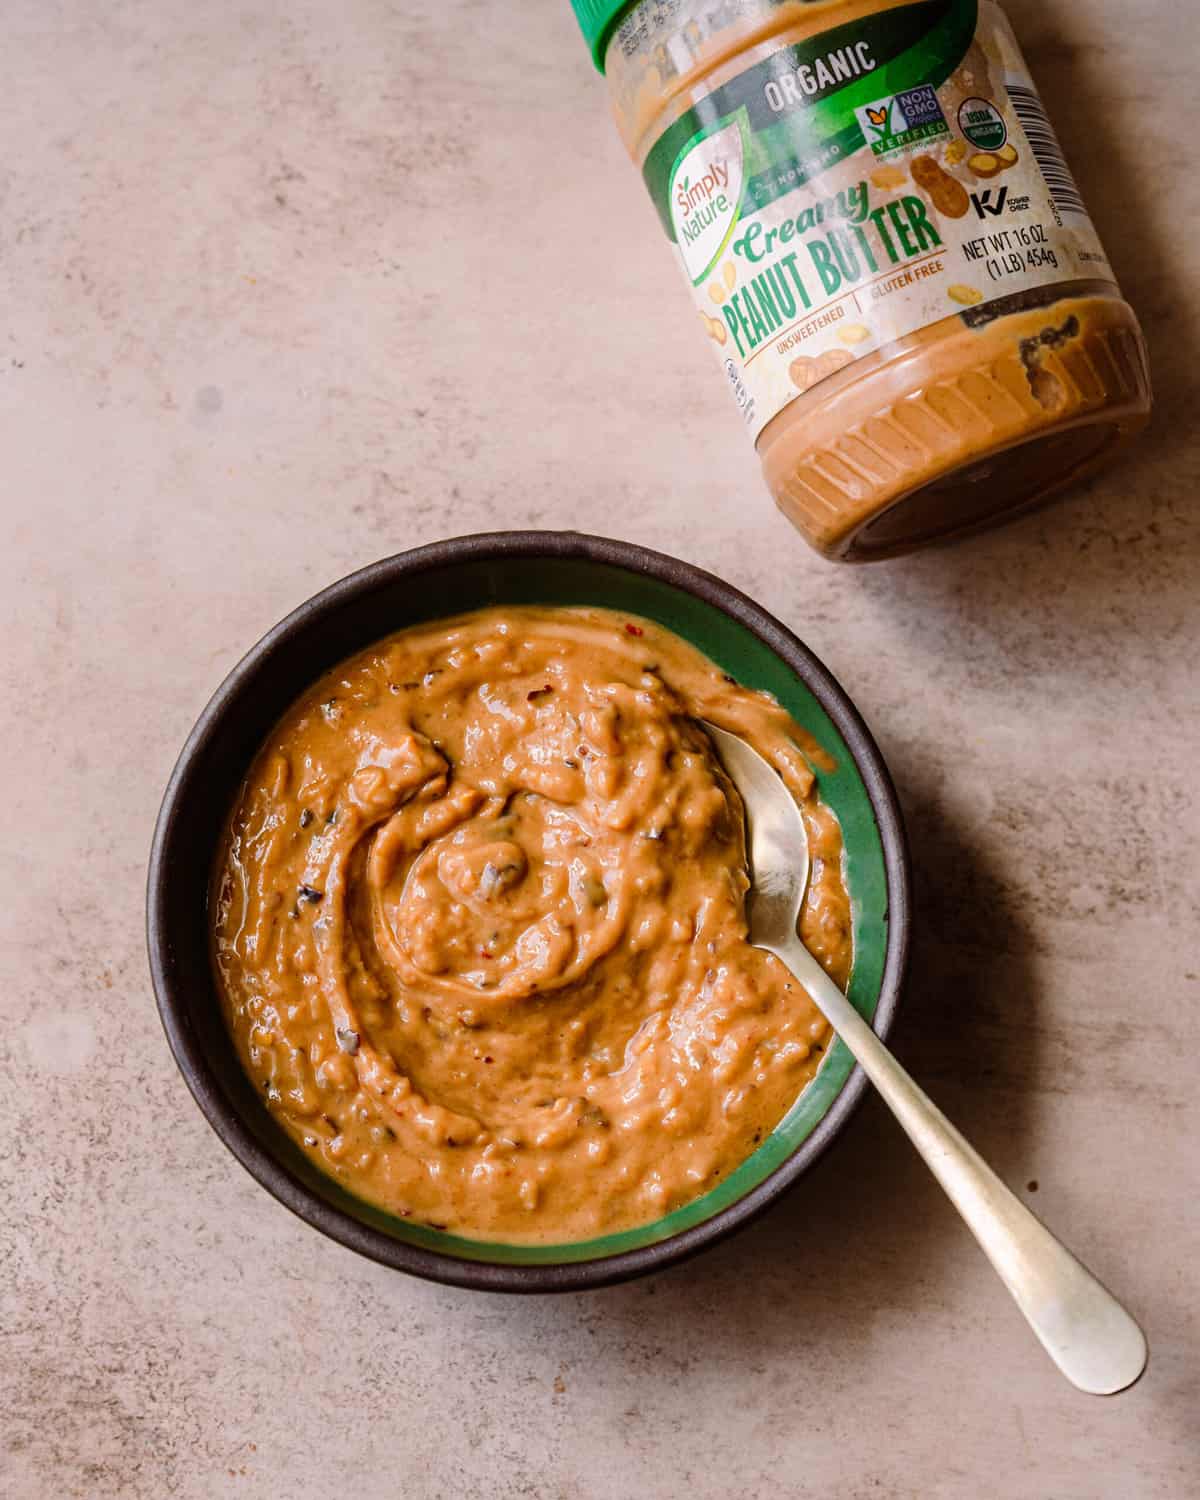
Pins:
x: 479, y: 925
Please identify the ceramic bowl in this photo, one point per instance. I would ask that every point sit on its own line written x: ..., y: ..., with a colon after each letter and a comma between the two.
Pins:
x: 443, y: 579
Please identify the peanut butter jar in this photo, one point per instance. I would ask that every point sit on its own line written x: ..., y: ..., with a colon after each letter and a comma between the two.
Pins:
x: 886, y: 251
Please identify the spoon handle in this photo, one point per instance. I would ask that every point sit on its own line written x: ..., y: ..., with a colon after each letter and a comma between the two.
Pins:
x: 1081, y: 1325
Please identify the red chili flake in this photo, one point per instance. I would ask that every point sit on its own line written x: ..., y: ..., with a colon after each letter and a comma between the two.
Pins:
x: 540, y: 692
x: 633, y: 629
x: 483, y: 953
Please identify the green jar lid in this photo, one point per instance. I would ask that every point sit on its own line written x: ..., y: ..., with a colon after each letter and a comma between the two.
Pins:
x: 597, y: 20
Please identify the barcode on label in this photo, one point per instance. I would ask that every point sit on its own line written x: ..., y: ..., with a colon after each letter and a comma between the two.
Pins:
x: 1046, y: 151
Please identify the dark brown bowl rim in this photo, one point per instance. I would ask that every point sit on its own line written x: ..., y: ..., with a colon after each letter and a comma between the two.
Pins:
x: 204, y: 1081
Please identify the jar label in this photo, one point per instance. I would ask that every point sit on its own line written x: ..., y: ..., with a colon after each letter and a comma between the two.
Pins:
x: 868, y: 182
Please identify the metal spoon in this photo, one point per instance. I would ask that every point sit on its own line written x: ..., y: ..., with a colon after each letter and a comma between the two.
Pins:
x: 1084, y: 1329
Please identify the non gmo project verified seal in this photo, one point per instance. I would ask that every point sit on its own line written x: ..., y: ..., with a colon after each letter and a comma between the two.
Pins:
x: 900, y: 120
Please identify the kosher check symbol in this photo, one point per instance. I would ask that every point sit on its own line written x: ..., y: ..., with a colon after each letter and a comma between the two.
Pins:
x: 983, y: 202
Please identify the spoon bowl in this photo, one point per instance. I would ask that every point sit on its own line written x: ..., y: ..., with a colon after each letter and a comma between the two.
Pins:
x: 776, y: 842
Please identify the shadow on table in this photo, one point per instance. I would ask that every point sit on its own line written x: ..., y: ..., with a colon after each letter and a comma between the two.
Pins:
x: 1132, y: 190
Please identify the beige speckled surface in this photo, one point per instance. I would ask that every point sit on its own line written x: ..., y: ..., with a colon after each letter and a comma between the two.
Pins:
x: 288, y: 287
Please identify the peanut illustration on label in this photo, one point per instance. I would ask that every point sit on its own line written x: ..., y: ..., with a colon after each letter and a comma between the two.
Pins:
x: 946, y: 193
x: 806, y: 371
x: 834, y: 359
x: 713, y: 327
x: 990, y: 163
x: 887, y: 177
x: 984, y: 164
x: 803, y: 372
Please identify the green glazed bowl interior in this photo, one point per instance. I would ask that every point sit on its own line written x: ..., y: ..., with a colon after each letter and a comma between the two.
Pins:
x: 449, y: 578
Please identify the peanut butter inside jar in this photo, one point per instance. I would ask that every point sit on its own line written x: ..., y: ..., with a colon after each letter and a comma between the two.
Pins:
x: 887, y: 253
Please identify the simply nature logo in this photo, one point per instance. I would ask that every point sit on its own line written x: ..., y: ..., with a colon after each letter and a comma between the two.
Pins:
x: 705, y: 196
